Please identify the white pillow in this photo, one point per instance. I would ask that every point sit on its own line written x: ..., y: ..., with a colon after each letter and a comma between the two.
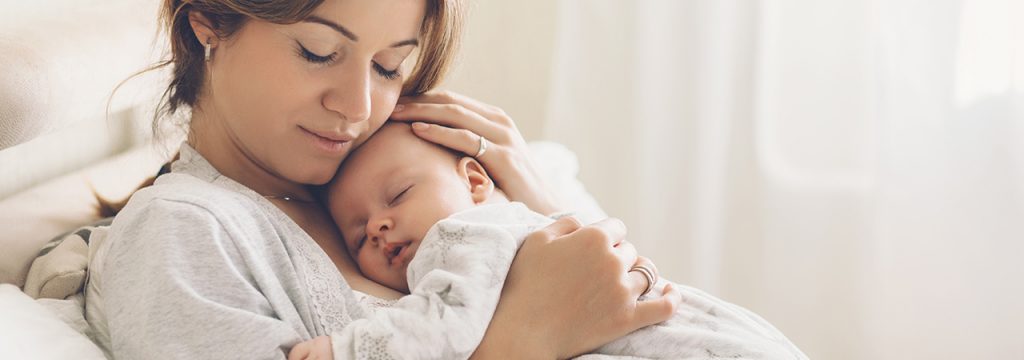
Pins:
x: 31, y: 218
x: 29, y: 331
x: 559, y: 169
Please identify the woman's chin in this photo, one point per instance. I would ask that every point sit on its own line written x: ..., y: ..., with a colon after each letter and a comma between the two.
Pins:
x: 319, y: 176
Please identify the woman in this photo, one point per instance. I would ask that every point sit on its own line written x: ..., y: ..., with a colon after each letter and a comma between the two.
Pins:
x: 230, y: 256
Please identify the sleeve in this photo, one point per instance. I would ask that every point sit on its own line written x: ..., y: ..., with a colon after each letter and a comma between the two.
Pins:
x: 456, y: 279
x: 177, y: 287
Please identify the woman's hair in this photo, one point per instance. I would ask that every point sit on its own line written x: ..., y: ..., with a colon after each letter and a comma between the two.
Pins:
x: 439, y: 41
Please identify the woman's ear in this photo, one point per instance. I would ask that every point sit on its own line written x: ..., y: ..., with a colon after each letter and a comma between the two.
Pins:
x: 480, y: 185
x: 203, y: 28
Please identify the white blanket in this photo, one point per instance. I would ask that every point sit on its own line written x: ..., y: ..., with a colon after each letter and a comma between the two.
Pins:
x: 47, y: 329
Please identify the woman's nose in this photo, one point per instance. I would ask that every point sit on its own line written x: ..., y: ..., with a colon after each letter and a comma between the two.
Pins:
x: 349, y: 97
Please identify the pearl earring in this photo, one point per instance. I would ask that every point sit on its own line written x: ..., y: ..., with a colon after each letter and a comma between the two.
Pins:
x: 206, y: 56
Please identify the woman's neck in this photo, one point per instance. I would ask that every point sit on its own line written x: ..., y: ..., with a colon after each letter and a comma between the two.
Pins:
x: 231, y: 159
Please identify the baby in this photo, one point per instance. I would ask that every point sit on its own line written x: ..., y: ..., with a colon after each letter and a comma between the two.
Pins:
x: 430, y: 223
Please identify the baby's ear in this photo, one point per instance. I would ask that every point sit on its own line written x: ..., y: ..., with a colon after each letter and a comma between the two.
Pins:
x: 480, y: 185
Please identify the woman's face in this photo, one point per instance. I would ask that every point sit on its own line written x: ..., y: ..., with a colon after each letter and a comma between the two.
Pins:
x: 296, y: 99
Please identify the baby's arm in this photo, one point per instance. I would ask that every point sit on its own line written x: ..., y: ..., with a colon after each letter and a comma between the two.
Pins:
x: 455, y: 280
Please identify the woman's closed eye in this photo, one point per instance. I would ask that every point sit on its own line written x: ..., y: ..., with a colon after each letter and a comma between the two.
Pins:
x: 313, y: 57
x: 385, y: 73
x: 325, y: 60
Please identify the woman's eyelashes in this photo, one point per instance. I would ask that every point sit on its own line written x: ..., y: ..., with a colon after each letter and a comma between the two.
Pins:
x: 385, y: 73
x: 330, y: 58
x: 314, y: 58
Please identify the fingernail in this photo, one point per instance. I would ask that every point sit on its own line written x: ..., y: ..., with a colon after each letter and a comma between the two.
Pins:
x: 418, y: 126
x: 399, y: 107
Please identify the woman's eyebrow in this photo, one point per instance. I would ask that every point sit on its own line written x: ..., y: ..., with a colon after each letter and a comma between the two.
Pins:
x: 333, y: 25
x: 349, y: 34
x: 412, y: 42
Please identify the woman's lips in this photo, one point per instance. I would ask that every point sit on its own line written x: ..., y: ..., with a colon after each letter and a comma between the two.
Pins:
x: 329, y: 142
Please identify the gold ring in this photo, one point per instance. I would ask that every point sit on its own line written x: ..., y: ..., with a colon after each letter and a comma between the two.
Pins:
x: 483, y: 147
x: 648, y: 274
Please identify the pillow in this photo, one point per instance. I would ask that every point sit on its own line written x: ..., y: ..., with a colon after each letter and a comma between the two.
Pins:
x: 31, y: 218
x: 28, y: 330
x: 59, y: 270
x: 559, y: 169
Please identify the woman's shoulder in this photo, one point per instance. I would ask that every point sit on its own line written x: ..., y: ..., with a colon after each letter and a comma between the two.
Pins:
x: 182, y: 192
x: 181, y: 223
x: 179, y: 205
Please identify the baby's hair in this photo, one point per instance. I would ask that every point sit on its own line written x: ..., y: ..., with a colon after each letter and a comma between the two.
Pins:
x: 455, y: 154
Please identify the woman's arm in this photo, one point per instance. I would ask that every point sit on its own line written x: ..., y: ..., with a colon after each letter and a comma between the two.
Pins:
x: 176, y: 285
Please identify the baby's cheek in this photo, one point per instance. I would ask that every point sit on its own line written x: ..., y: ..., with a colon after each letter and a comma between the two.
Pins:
x: 365, y: 262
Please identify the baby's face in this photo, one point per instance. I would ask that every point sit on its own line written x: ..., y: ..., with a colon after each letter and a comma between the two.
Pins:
x: 388, y: 194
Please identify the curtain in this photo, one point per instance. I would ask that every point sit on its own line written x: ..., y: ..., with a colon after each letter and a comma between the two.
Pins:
x: 853, y: 171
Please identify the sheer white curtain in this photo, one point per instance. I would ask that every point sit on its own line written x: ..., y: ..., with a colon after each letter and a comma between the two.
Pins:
x: 851, y: 170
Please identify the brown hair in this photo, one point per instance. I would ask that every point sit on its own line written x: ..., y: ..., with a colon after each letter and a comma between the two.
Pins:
x: 440, y: 37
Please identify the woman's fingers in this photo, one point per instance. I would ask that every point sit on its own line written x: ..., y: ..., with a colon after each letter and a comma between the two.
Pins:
x: 637, y: 283
x: 455, y: 139
x: 637, y: 280
x: 452, y: 116
x: 448, y: 97
x: 559, y: 228
x: 611, y: 230
x: 653, y: 311
x: 647, y: 263
x: 627, y: 254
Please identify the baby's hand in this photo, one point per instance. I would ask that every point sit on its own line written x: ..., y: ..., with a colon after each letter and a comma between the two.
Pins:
x: 318, y: 348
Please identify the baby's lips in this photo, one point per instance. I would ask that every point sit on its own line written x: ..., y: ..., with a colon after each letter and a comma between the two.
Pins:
x: 390, y: 250
x: 398, y: 250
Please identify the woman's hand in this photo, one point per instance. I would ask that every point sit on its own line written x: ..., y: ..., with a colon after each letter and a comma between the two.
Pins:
x: 569, y: 291
x: 457, y: 122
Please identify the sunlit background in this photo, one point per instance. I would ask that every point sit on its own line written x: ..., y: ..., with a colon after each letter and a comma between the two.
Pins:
x: 852, y: 170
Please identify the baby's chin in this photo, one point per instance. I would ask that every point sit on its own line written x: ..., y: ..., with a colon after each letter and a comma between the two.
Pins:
x: 403, y: 284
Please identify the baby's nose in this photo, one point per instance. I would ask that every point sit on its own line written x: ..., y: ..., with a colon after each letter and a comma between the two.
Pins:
x: 378, y: 227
